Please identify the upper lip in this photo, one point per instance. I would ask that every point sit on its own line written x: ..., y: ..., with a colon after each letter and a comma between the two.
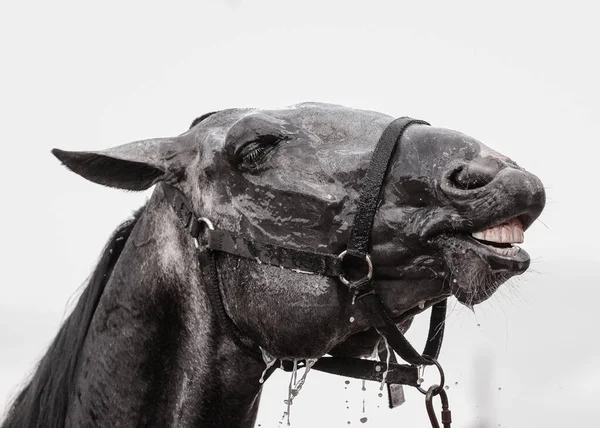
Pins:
x: 513, y: 193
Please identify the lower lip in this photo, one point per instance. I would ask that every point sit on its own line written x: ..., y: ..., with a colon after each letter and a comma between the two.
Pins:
x: 511, y: 251
x: 512, y: 258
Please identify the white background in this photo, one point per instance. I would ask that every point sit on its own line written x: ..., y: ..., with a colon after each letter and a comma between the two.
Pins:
x: 520, y: 76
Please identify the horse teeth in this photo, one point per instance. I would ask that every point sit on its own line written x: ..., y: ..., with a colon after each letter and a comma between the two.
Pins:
x: 478, y: 235
x: 508, y: 252
x: 510, y: 232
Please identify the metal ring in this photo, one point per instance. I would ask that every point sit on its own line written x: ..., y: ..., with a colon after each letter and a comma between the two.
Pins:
x: 208, y: 224
x: 369, y: 264
x: 442, y: 377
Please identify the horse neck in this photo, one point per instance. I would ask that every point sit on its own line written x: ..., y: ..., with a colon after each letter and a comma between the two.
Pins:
x: 154, y: 354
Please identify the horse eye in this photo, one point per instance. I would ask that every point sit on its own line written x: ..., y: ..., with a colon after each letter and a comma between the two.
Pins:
x: 254, y: 152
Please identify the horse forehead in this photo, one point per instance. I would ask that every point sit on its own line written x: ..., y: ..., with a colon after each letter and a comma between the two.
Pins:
x: 330, y: 122
x: 323, y: 118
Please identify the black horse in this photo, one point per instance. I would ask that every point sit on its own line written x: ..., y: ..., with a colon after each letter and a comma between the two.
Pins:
x: 145, y: 345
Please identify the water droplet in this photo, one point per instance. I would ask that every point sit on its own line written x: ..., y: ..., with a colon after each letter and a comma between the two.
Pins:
x: 478, y: 325
x: 499, y: 389
x: 363, y: 420
x: 347, y: 382
x: 347, y: 407
x: 269, y: 362
x: 380, y: 395
x: 446, y: 387
x: 351, y: 319
x: 364, y: 387
x: 348, y: 422
x: 455, y: 383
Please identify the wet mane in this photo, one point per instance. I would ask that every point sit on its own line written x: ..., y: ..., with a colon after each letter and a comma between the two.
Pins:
x: 44, y: 401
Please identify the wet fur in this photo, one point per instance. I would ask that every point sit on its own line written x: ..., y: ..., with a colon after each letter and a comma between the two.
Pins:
x: 52, y: 384
x: 154, y: 353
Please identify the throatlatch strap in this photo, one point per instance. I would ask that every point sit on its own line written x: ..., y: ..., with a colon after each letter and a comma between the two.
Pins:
x: 206, y: 259
x: 360, y: 237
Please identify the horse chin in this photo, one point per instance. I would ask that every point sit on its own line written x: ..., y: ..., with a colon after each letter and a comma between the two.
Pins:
x: 477, y: 270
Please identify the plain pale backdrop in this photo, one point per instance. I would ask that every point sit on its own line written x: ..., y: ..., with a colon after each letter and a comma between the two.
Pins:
x: 522, y: 77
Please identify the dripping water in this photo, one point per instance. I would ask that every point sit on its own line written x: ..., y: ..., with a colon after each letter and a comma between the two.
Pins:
x: 269, y: 361
x: 387, y: 361
x: 296, y: 385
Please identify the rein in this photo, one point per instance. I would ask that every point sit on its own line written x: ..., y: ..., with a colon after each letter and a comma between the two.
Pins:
x: 209, y: 242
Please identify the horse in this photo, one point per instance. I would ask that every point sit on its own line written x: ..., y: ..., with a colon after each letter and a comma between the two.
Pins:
x: 251, y: 232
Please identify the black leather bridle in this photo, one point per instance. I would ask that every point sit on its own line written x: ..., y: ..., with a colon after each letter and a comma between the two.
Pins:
x: 210, y: 241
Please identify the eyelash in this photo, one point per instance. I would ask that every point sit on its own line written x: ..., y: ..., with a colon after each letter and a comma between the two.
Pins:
x: 253, y: 152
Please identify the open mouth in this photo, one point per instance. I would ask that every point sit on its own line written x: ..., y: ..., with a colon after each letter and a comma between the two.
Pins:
x: 496, y: 245
x: 501, y: 238
x: 481, y: 261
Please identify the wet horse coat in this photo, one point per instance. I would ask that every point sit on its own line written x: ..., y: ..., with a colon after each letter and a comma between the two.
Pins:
x: 144, y: 345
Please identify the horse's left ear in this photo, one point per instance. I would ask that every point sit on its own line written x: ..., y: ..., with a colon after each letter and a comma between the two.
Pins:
x: 133, y: 166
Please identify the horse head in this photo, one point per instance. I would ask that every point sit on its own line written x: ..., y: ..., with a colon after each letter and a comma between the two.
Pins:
x: 449, y: 213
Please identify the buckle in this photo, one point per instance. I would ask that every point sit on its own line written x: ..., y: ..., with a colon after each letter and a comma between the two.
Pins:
x: 196, y: 227
x: 365, y: 279
x: 435, y: 389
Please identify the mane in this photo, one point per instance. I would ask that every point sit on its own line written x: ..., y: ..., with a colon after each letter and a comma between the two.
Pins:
x: 44, y: 401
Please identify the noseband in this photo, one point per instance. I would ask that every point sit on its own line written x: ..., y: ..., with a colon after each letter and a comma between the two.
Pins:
x: 210, y: 241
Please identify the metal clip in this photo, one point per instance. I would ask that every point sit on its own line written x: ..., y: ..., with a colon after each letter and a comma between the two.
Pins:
x: 446, y: 414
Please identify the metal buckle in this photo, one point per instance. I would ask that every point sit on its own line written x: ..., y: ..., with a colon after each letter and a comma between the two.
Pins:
x: 208, y: 224
x: 439, y: 387
x: 362, y: 280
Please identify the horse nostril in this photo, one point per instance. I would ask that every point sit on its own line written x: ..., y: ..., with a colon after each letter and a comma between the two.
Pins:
x: 476, y: 174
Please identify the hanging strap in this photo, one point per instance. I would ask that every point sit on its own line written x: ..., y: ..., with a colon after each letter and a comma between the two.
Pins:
x: 396, y: 339
x: 207, y: 265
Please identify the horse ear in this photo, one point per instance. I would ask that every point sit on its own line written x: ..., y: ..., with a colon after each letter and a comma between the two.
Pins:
x: 133, y: 166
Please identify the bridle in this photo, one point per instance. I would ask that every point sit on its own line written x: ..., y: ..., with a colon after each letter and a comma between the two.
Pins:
x: 209, y: 242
